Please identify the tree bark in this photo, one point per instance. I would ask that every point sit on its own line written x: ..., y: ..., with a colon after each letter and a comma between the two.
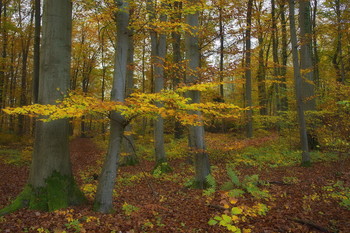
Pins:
x: 177, y: 59
x: 298, y: 88
x: 283, y: 85
x: 158, y: 53
x: 51, y: 184
x: 36, y: 66
x: 104, y: 195
x: 196, y: 133
x: 248, y: 72
x: 306, y: 64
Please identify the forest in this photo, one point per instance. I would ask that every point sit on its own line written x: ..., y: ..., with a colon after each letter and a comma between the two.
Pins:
x: 175, y: 116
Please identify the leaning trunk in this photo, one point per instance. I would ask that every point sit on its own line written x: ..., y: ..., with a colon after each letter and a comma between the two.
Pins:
x: 104, y: 195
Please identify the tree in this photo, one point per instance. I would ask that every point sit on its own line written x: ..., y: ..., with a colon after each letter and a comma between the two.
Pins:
x: 196, y: 133
x: 306, y: 62
x: 248, y: 71
x: 51, y: 184
x: 104, y: 195
x: 158, y: 53
x: 298, y: 88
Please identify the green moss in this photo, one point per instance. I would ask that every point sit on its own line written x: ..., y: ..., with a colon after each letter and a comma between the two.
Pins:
x: 59, y: 192
x: 21, y: 201
x: 306, y: 164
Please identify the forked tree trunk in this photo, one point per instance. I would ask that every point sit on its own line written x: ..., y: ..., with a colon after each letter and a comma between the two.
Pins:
x: 298, y: 88
x: 51, y: 184
x: 104, y: 195
x: 196, y: 133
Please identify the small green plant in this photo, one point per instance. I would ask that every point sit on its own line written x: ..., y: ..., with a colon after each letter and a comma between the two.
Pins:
x: 160, y: 169
x: 249, y: 184
x: 290, y: 180
x: 129, y: 209
x: 340, y: 192
x: 74, y: 225
x: 211, y: 183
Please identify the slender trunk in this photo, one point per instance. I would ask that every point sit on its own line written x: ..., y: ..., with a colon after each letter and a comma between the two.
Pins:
x: 316, y: 58
x: 283, y: 85
x: 3, y: 65
x: 177, y: 59
x: 158, y: 53
x: 338, y: 57
x: 36, y: 58
x: 248, y: 72
x: 104, y: 194
x: 196, y: 133
x: 298, y: 88
x: 25, y: 43
x: 306, y: 64
x: 128, y: 143
x: 276, y: 65
x: 222, y: 38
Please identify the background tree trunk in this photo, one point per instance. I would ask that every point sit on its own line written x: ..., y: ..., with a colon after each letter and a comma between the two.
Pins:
x: 298, y: 88
x: 248, y: 72
x: 196, y: 133
x: 306, y: 64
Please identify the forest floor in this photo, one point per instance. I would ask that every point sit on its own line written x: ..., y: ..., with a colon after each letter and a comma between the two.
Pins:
x: 284, y: 197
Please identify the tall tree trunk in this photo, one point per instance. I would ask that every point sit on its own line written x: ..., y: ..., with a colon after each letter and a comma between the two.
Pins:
x: 261, y: 74
x: 158, y: 53
x: 177, y: 59
x: 222, y: 38
x: 25, y: 44
x: 51, y: 184
x: 283, y: 85
x: 316, y: 58
x: 196, y: 133
x: 298, y: 88
x: 3, y: 65
x: 104, y: 194
x: 306, y: 64
x: 36, y: 66
x: 338, y: 60
x: 128, y: 143
x: 248, y: 72
x: 276, y: 65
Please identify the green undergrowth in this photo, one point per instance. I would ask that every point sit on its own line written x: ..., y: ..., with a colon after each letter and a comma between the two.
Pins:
x: 18, y: 157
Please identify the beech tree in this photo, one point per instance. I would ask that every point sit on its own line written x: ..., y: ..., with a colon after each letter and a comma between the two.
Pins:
x: 158, y: 53
x: 51, y: 184
x: 196, y: 133
x: 298, y: 88
x: 104, y: 195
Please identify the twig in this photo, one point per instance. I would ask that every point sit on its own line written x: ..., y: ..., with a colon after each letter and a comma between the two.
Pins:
x: 217, y: 207
x: 310, y: 224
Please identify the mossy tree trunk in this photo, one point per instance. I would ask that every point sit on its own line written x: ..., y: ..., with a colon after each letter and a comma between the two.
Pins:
x: 51, y: 183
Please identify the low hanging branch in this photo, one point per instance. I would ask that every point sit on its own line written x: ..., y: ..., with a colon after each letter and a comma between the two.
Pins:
x: 174, y: 104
